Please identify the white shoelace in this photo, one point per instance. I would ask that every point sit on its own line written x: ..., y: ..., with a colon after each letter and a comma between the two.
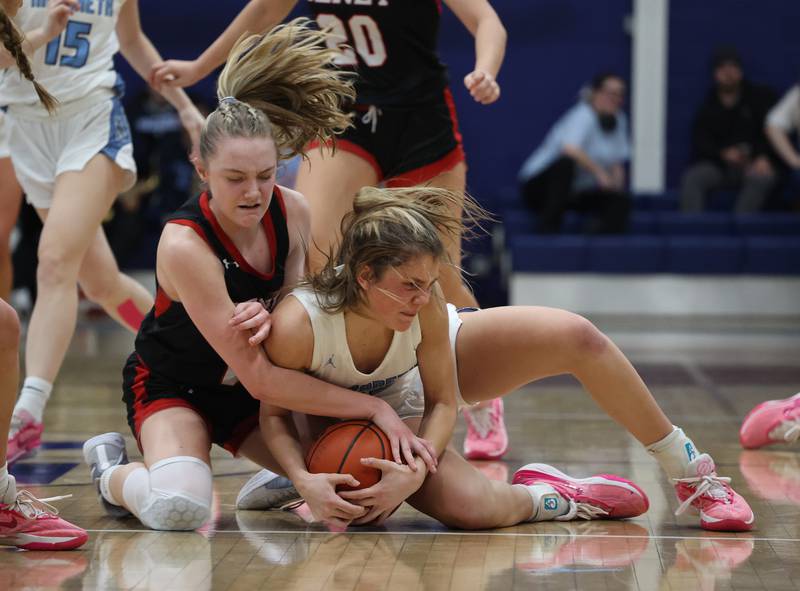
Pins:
x: 715, y: 486
x: 482, y: 420
x: 371, y: 117
x: 32, y: 507
x: 16, y: 425
x: 581, y: 511
x: 789, y: 431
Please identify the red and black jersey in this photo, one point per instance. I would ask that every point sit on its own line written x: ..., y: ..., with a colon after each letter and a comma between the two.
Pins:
x: 169, y: 343
x: 391, y: 44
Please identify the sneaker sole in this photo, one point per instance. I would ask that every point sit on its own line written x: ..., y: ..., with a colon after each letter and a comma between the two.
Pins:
x: 727, y: 524
x: 607, y: 479
x: 479, y: 455
x: 31, y: 542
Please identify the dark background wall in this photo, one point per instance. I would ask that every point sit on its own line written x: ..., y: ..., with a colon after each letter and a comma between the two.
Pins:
x: 555, y: 46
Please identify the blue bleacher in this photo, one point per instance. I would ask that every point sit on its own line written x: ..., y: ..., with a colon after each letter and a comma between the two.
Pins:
x: 548, y: 253
x: 772, y: 255
x: 625, y: 254
x: 660, y: 240
x: 704, y: 254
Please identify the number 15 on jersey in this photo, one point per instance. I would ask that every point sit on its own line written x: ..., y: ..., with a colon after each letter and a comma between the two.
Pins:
x: 75, y: 50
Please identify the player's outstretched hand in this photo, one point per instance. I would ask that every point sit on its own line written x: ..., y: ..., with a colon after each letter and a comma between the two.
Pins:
x: 405, y: 444
x: 319, y: 492
x: 175, y: 73
x: 482, y: 86
x: 253, y: 317
x: 397, y: 483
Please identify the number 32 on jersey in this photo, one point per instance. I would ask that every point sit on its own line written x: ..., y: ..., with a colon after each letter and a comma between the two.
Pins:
x: 364, y: 35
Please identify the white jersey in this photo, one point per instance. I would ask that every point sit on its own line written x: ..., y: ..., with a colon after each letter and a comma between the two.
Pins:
x: 77, y: 63
x: 333, y: 363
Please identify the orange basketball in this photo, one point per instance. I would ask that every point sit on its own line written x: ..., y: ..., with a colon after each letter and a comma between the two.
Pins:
x: 341, y: 446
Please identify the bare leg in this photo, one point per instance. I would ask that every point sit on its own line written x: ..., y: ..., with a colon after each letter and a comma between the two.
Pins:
x: 330, y: 183
x: 455, y: 290
x: 125, y: 300
x: 80, y: 201
x: 524, y: 344
x: 165, y: 434
x: 460, y: 496
x: 9, y: 371
x: 10, y: 201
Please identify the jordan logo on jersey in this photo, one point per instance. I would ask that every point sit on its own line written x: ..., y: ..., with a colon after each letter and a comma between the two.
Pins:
x: 228, y: 264
x: 331, y: 361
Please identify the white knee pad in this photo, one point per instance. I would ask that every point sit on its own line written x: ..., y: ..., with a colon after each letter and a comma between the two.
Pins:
x: 174, y: 494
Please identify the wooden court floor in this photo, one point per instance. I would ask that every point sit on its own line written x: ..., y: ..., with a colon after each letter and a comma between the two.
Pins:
x: 705, y: 377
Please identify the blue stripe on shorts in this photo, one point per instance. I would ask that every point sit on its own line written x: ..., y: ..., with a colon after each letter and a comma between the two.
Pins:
x: 119, y: 133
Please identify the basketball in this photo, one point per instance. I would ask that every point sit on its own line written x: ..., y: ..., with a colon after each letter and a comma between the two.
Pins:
x: 339, y: 450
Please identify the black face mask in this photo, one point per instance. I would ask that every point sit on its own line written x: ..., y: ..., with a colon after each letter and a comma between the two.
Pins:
x: 608, y: 122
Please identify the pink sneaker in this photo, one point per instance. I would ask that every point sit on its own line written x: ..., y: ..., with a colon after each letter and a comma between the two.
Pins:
x: 24, y: 437
x: 721, y: 508
x: 486, y: 432
x: 600, y: 496
x: 773, y: 421
x: 31, y: 524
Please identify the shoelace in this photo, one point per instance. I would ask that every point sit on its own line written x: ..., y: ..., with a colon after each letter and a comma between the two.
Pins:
x: 32, y: 507
x: 581, y: 511
x: 371, y: 117
x: 715, y: 486
x: 482, y: 420
x: 793, y: 433
x: 16, y: 425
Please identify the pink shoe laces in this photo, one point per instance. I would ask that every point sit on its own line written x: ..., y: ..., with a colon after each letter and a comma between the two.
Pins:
x: 711, y: 484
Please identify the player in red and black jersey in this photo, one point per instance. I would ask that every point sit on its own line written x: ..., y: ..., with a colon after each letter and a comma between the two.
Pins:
x: 195, y: 377
x: 404, y: 130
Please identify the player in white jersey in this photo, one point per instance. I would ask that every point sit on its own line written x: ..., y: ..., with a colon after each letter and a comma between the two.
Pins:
x: 72, y: 165
x: 383, y: 285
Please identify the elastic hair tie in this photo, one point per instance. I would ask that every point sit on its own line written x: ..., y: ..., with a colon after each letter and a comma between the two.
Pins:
x: 228, y: 100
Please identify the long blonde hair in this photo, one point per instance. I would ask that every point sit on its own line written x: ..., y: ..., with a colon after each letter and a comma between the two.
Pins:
x: 281, y: 84
x: 12, y: 40
x: 386, y: 228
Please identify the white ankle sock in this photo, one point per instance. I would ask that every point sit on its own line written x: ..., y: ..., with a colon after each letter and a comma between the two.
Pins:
x: 547, y: 502
x: 674, y: 452
x: 105, y: 486
x: 8, y: 486
x: 33, y: 397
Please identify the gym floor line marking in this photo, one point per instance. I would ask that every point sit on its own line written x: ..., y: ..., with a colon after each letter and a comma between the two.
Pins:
x: 454, y: 533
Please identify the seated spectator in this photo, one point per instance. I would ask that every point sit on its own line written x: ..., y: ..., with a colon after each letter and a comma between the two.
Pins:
x: 782, y: 121
x: 730, y: 149
x: 581, y: 163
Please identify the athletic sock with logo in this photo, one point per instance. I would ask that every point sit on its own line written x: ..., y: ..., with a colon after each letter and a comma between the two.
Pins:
x: 674, y: 452
x: 547, y: 502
